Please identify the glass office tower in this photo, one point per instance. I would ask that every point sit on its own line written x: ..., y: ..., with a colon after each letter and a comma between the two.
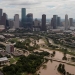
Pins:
x: 0, y: 13
x: 23, y: 16
x: 43, y: 27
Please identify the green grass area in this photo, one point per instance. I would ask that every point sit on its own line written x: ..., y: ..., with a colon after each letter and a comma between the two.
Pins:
x: 12, y: 60
x: 16, y: 58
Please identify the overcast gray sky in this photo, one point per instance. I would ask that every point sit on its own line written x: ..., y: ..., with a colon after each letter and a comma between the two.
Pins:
x: 39, y: 7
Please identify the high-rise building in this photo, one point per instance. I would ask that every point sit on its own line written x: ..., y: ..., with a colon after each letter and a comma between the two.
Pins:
x: 29, y: 21
x: 36, y: 22
x: 7, y: 23
x: 66, y: 22
x: 36, y: 25
x: 0, y: 13
x: 2, y: 27
x: 54, y: 21
x: 16, y: 21
x: 58, y: 21
x: 43, y: 27
x: 70, y: 21
x: 3, y: 19
x: 23, y: 16
x: 30, y: 17
x: 11, y: 23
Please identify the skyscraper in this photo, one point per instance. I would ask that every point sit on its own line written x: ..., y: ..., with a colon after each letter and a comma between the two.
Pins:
x: 23, y: 16
x: 58, y: 21
x: 30, y: 17
x: 29, y: 20
x: 3, y: 19
x: 43, y: 27
x: 66, y: 22
x: 36, y: 25
x: 70, y: 21
x: 0, y: 13
x: 7, y: 23
x: 54, y: 21
x: 11, y: 23
x: 16, y: 21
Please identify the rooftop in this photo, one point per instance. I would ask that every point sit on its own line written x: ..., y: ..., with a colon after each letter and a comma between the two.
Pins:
x: 3, y: 59
x: 1, y: 36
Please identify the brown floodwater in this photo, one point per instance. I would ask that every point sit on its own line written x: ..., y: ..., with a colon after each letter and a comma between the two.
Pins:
x: 40, y: 41
x: 52, y: 69
x: 52, y: 66
x: 58, y: 55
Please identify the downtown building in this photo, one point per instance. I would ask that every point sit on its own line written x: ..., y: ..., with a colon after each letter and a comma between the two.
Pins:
x: 43, y: 27
x: 58, y: 21
x: 70, y: 21
x: 55, y: 22
x: 23, y: 17
x: 29, y: 21
x: 1, y: 13
x: 3, y: 19
x: 67, y: 27
x: 11, y: 24
x: 36, y: 25
x: 2, y: 27
x: 26, y: 20
x: 16, y: 21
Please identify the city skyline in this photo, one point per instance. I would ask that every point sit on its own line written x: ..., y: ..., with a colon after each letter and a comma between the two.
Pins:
x: 50, y: 8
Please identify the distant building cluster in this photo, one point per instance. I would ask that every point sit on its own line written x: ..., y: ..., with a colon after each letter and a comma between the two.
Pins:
x: 27, y: 22
x: 55, y: 21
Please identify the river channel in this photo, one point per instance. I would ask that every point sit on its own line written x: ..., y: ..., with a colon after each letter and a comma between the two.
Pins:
x: 52, y: 66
